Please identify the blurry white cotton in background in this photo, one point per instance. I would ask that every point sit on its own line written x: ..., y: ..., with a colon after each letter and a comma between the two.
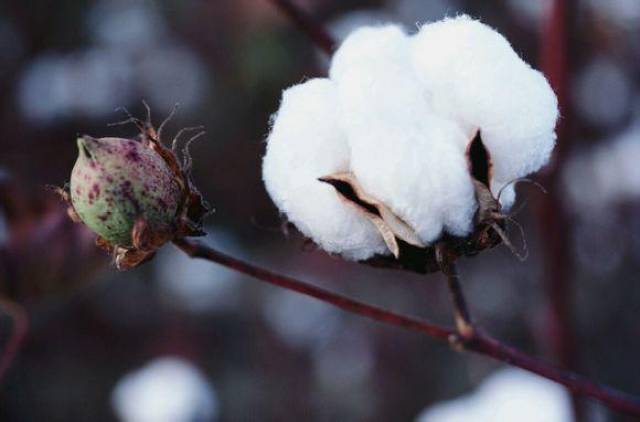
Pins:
x: 299, y: 321
x: 198, y: 285
x: 623, y: 13
x: 131, y: 59
x: 101, y: 81
x: 165, y: 390
x: 345, y: 362
x: 170, y: 74
x: 124, y: 24
x: 506, y: 396
x: 602, y: 92
x: 44, y: 88
x: 88, y: 83
x: 599, y: 243
x: 166, y: 72
x: 343, y: 370
x: 606, y: 175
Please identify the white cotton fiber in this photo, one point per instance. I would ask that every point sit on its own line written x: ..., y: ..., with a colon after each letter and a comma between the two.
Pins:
x: 474, y: 77
x: 399, y: 112
x: 401, y: 152
x: 306, y: 142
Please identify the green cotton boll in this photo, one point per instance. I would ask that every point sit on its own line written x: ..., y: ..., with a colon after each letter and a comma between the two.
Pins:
x: 117, y: 181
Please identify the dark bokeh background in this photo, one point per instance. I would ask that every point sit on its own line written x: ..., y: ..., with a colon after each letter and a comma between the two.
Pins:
x: 268, y: 354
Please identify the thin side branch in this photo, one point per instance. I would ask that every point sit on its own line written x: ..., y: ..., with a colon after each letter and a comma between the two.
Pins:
x: 464, y: 325
x: 308, y: 25
x: 481, y: 342
x: 198, y: 250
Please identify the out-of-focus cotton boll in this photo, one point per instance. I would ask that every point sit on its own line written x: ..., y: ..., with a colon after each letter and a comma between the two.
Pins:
x: 602, y: 78
x: 306, y: 142
x: 125, y: 25
x: 172, y: 74
x: 624, y: 13
x: 301, y: 322
x: 90, y: 83
x: 508, y: 395
x: 167, y: 389
x: 402, y: 153
x: 606, y: 175
x: 475, y: 78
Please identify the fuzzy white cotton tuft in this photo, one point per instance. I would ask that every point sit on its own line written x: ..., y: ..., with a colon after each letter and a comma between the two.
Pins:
x: 306, y: 143
x: 474, y: 77
x: 399, y: 112
x: 401, y: 152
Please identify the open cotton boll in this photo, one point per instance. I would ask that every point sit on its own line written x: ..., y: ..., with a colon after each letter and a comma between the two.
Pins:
x: 474, y: 76
x: 306, y: 142
x: 401, y: 153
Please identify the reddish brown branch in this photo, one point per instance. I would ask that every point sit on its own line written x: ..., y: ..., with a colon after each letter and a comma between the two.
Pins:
x: 307, y: 24
x: 480, y: 343
x: 198, y: 250
x: 18, y: 333
x: 558, y: 262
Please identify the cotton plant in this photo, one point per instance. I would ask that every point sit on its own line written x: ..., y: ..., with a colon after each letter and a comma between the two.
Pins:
x: 410, y: 140
x: 410, y: 147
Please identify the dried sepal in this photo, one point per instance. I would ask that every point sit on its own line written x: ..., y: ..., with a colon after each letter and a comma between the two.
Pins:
x: 389, y: 225
x: 63, y: 193
x: 408, y: 251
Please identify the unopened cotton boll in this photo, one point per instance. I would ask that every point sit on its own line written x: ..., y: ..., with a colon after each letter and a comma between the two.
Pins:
x: 474, y: 77
x: 306, y: 142
x: 402, y: 153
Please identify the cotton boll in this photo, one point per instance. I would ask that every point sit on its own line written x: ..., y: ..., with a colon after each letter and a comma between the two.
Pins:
x: 507, y: 395
x: 476, y: 78
x: 306, y: 142
x: 401, y: 153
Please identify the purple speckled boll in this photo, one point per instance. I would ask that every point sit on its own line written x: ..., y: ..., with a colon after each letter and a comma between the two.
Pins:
x: 116, y: 181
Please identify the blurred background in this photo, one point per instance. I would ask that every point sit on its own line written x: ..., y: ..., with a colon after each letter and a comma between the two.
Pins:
x: 183, y: 340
